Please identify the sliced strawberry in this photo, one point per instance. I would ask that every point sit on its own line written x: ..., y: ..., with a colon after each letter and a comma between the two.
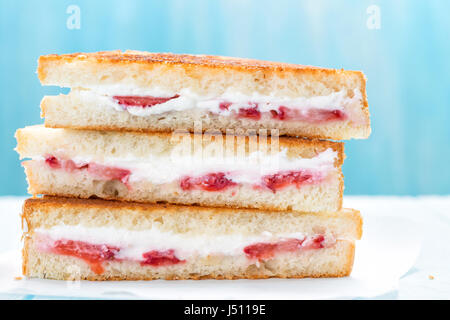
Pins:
x: 71, y: 166
x: 109, y: 173
x: 261, y: 251
x: 290, y: 245
x: 93, y: 254
x: 250, y: 113
x: 209, y: 182
x: 266, y: 250
x: 315, y: 242
x: 281, y: 180
x: 224, y: 105
x: 160, y: 258
x: 310, y: 115
x: 97, y: 170
x: 317, y: 115
x: 146, y: 101
x: 53, y: 162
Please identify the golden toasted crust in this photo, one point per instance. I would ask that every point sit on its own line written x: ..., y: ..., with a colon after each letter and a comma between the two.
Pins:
x: 25, y: 255
x: 48, y: 203
x: 187, y: 60
x: 297, y: 146
x: 168, y: 130
x: 364, y: 99
x: 20, y: 135
x: 350, y: 259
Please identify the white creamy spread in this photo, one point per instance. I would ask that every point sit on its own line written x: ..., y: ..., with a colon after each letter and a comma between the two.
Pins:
x: 188, y: 100
x: 133, y: 243
x: 249, y: 169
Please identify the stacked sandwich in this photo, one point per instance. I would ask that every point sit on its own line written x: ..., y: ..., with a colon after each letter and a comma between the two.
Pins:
x: 165, y: 166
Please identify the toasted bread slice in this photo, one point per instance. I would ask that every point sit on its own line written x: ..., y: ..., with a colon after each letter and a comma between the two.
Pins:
x: 140, y: 91
x: 109, y: 240
x: 212, y: 170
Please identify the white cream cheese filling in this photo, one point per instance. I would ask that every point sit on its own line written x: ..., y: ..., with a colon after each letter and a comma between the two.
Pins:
x: 249, y: 169
x: 188, y: 100
x: 134, y: 243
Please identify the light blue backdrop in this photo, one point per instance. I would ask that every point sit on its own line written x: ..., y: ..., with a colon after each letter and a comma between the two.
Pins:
x: 407, y: 62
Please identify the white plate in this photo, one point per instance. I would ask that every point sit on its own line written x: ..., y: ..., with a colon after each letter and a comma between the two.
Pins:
x: 389, y: 248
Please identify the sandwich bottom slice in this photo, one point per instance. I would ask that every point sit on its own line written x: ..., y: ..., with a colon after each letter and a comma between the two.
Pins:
x: 70, y: 239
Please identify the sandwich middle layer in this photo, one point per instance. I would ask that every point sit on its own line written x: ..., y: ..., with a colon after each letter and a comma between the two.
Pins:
x: 293, y: 174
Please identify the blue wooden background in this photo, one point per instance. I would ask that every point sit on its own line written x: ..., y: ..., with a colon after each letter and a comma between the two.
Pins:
x: 406, y: 61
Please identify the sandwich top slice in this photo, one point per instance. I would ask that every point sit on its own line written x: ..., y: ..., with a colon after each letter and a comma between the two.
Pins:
x: 141, y: 91
x: 67, y: 239
x: 209, y: 169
